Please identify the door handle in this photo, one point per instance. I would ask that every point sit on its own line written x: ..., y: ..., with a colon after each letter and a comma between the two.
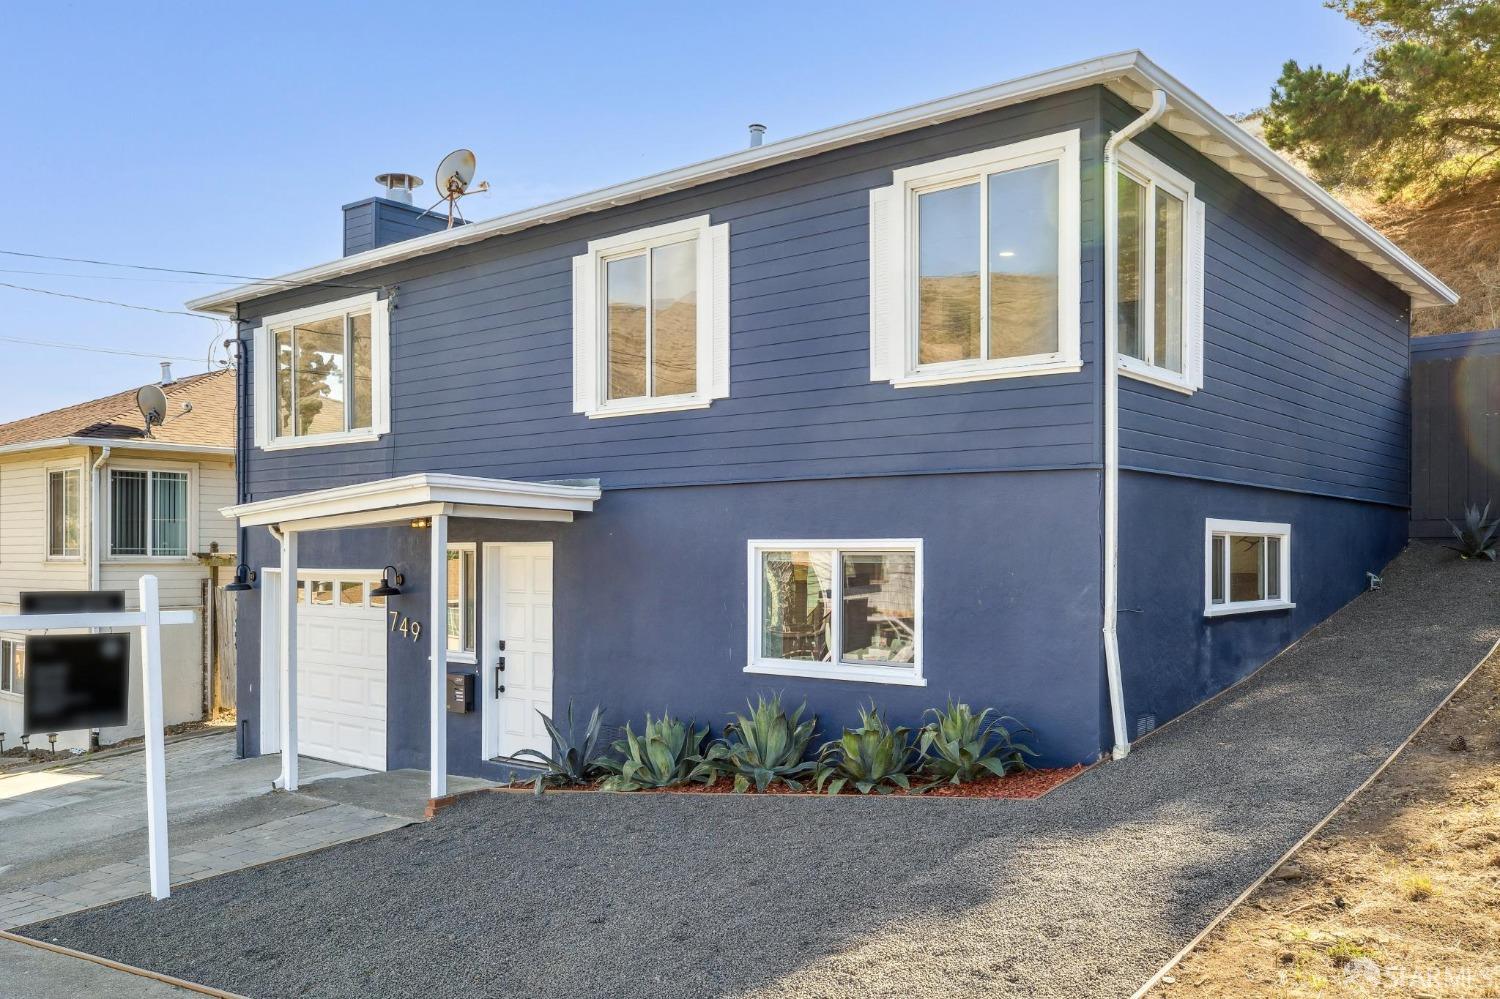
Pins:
x: 499, y: 687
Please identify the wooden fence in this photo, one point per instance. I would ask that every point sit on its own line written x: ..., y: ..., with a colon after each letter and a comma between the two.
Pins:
x: 1455, y: 437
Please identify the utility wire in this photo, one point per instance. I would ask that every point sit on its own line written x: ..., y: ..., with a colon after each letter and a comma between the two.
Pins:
x: 106, y: 301
x: 97, y: 350
x: 114, y: 277
x: 179, y: 270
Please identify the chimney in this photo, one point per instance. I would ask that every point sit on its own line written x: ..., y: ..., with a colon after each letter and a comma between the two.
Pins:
x: 757, y: 135
x: 389, y: 217
x: 166, y: 373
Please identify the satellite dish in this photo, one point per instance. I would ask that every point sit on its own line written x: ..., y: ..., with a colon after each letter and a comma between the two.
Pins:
x: 454, y: 175
x: 153, y: 405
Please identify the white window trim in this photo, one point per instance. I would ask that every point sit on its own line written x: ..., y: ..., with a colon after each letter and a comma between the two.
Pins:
x: 4, y: 641
x: 910, y: 676
x: 591, y: 327
x: 459, y: 655
x: 106, y: 508
x: 83, y: 525
x: 1146, y: 169
x: 1212, y: 528
x: 266, y: 438
x: 893, y: 265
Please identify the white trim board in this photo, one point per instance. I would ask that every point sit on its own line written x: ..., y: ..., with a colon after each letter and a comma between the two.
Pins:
x: 1131, y: 74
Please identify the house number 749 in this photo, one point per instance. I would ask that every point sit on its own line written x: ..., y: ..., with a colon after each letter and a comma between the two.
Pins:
x: 406, y: 626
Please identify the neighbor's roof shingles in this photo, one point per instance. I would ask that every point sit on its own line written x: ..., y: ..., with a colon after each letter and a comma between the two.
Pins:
x: 116, y: 417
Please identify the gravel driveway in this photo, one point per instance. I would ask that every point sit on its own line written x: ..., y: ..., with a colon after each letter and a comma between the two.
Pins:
x: 1083, y: 893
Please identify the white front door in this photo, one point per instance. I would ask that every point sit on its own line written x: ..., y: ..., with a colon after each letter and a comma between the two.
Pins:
x: 341, y: 672
x: 518, y: 613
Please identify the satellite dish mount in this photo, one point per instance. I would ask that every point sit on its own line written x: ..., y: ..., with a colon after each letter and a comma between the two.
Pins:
x: 153, y: 405
x: 454, y: 177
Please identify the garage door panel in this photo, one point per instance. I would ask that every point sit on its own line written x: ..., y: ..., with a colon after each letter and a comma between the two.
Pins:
x: 341, y: 670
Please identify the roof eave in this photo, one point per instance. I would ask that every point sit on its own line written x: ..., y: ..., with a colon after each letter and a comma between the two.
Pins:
x: 116, y: 444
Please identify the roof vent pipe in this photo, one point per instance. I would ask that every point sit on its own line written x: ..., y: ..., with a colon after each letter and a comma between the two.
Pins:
x: 398, y: 186
x: 166, y: 372
x: 757, y: 135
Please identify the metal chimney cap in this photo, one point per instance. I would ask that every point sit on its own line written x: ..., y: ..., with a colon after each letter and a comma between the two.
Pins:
x: 757, y: 133
x: 166, y: 373
x: 398, y: 186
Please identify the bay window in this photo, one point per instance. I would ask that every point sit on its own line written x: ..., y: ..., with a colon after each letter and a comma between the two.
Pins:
x: 1157, y: 271
x: 847, y: 610
x: 321, y: 375
x: 1247, y: 567
x: 975, y: 266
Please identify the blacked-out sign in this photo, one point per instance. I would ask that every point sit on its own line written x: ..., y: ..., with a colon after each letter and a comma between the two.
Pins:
x: 76, y: 682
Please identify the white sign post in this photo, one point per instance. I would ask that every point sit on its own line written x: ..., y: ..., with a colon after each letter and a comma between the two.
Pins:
x: 149, y: 619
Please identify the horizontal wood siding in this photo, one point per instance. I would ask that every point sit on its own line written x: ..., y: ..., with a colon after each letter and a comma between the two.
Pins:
x: 1305, y: 367
x: 481, y: 340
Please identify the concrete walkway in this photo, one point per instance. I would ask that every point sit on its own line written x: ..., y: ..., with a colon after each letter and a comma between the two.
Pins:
x: 1085, y: 892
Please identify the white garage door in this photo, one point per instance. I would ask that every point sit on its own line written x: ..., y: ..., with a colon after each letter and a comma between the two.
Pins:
x: 341, y: 675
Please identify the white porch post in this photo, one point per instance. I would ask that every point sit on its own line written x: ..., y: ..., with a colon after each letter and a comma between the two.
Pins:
x: 438, y: 636
x: 156, y: 759
x: 289, y: 661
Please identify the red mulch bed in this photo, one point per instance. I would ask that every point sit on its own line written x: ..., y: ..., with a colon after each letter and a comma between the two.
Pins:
x: 1024, y: 785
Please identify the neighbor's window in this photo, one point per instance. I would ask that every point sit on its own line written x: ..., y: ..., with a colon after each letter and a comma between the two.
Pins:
x: 1248, y: 566
x: 148, y: 513
x: 1158, y: 271
x: 847, y: 610
x: 13, y: 666
x: 320, y: 374
x: 976, y: 262
x: 461, y: 599
x: 64, y: 530
x: 651, y: 320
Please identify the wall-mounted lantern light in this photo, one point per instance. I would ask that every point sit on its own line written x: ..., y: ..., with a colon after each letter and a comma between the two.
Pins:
x: 243, y: 577
x: 391, y: 582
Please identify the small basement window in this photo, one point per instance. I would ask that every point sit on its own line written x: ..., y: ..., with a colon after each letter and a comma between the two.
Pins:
x: 843, y: 610
x: 1247, y: 567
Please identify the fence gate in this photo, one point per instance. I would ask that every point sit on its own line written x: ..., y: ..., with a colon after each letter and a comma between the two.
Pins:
x: 1455, y: 435
x: 225, y: 672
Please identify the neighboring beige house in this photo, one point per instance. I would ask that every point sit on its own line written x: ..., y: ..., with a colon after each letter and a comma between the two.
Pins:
x: 89, y: 502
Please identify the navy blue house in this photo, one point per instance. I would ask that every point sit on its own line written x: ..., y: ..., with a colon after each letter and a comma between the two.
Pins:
x: 1064, y: 396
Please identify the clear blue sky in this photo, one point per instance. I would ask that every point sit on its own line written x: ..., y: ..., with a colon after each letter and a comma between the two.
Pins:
x: 225, y: 137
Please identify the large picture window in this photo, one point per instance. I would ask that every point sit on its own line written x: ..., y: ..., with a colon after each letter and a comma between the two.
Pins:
x: 845, y: 610
x: 975, y: 266
x: 651, y: 320
x: 1158, y: 272
x: 148, y: 513
x: 321, y: 375
x: 1247, y: 567
x: 64, y: 521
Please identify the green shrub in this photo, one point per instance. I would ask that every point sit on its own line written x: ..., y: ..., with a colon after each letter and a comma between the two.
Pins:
x: 1476, y: 539
x: 668, y: 752
x: 958, y: 746
x: 571, y: 762
x: 872, y: 757
x: 765, y: 746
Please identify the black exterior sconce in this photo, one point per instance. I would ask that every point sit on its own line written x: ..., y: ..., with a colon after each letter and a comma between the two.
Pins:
x: 391, y: 582
x: 244, y: 576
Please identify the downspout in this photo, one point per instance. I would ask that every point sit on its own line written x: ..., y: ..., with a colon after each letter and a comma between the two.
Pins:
x: 96, y: 478
x: 1112, y: 425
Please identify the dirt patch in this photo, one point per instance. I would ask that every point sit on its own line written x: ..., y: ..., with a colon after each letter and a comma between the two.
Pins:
x: 1398, y: 895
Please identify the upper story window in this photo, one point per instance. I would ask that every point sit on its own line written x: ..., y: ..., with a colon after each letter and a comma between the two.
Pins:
x: 974, y: 266
x: 1247, y: 567
x: 148, y: 513
x: 651, y: 320
x: 1157, y: 270
x: 322, y: 375
x: 844, y: 610
x: 64, y: 522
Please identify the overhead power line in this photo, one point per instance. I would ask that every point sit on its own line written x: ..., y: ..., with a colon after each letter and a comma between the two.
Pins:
x: 112, y: 277
x: 97, y: 350
x: 106, y: 301
x: 180, y: 270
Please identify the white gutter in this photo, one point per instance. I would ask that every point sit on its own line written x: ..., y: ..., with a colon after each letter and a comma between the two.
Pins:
x: 121, y: 444
x: 1111, y: 363
x: 96, y: 480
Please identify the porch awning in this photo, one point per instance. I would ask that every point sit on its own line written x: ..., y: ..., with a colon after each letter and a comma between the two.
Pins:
x: 410, y: 497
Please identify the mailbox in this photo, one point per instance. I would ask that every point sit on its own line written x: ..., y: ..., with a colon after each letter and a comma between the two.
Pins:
x: 460, y: 693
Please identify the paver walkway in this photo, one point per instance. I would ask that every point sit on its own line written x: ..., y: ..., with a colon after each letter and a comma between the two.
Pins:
x: 1085, y: 892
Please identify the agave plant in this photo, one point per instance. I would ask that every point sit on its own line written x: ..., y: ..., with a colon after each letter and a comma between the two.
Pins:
x: 872, y: 757
x: 572, y: 761
x: 765, y: 746
x: 959, y: 746
x: 1476, y: 539
x: 668, y: 752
